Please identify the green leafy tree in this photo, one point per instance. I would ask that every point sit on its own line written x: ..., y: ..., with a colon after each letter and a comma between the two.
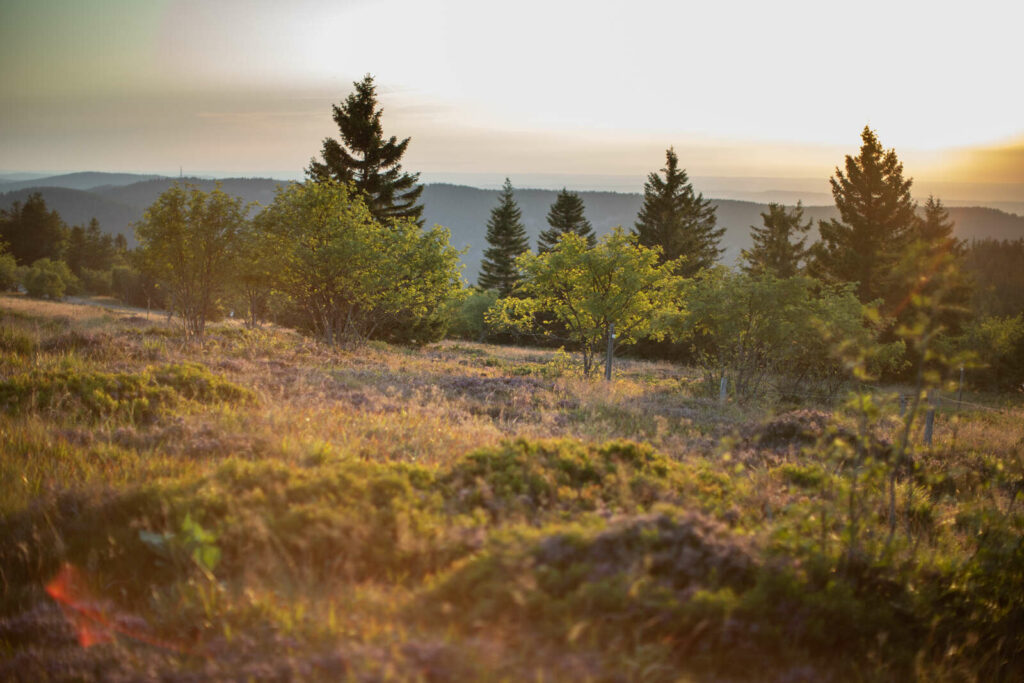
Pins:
x: 350, y: 276
x: 186, y: 241
x: 507, y: 238
x: 8, y: 269
x: 776, y: 250
x: 678, y: 221
x: 760, y: 329
x: 49, y: 279
x: 565, y: 216
x: 876, y: 220
x: 368, y: 160
x: 32, y: 231
x: 589, y: 289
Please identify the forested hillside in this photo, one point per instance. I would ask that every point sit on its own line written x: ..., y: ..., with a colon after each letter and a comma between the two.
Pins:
x: 460, y: 208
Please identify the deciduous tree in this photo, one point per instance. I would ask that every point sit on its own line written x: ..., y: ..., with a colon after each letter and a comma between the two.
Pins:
x: 186, y: 241
x: 589, y: 289
x: 350, y: 275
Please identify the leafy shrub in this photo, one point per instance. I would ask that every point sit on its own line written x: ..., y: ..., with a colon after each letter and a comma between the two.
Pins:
x: 528, y: 480
x: 8, y: 272
x: 97, y: 281
x: 468, y: 318
x: 137, y: 397
x: 46, y: 279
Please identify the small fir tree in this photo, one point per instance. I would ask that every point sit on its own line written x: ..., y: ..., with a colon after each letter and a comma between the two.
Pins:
x: 507, y: 238
x: 369, y: 161
x: 775, y: 251
x: 565, y: 216
x: 679, y: 221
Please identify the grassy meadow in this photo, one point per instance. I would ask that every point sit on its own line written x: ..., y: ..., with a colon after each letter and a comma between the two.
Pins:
x: 259, y: 506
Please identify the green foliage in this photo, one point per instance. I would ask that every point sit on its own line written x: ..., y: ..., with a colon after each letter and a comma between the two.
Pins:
x: 32, y: 232
x: 677, y: 221
x: 875, y: 225
x: 368, y: 161
x: 775, y: 252
x: 186, y: 241
x: 135, y: 287
x: 89, y: 249
x: 9, y: 276
x: 589, y: 289
x: 996, y: 267
x: 537, y: 481
x: 468, y: 319
x: 506, y: 239
x: 46, y: 279
x: 352, y: 277
x: 759, y: 328
x: 566, y: 215
x: 135, y: 397
x: 998, y: 345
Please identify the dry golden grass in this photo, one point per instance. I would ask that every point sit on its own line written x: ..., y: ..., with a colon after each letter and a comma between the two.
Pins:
x: 329, y: 454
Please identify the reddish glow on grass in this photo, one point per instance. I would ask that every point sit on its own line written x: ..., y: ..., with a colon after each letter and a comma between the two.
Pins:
x: 95, y: 621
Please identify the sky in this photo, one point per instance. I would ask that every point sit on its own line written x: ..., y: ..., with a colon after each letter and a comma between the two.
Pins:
x: 561, y: 92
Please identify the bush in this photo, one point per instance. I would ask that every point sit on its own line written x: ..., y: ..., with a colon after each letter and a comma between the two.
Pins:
x: 46, y: 279
x: 468, y: 316
x: 97, y: 281
x: 8, y: 272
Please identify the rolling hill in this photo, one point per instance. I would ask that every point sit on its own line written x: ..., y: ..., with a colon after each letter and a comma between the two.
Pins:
x: 119, y: 200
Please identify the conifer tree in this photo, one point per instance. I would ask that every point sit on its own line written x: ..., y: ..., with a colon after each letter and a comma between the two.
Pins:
x: 775, y: 251
x: 876, y: 218
x: 939, y: 269
x: 565, y: 216
x: 32, y: 231
x: 368, y: 160
x: 679, y: 221
x: 507, y: 238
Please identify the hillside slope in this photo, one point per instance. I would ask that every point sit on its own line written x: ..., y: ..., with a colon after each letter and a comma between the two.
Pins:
x: 465, y: 210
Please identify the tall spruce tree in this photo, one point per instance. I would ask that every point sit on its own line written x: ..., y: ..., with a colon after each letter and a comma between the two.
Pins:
x: 776, y: 251
x: 565, y: 216
x: 876, y: 220
x: 679, y: 221
x: 507, y: 238
x: 368, y: 160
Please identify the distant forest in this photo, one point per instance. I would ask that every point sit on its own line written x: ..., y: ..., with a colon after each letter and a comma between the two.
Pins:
x: 117, y: 202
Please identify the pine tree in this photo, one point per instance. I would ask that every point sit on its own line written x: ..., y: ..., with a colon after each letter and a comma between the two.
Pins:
x: 565, y: 216
x: 32, y: 231
x: 775, y: 251
x: 368, y: 160
x: 877, y: 216
x: 677, y: 220
x: 507, y: 238
x: 939, y: 269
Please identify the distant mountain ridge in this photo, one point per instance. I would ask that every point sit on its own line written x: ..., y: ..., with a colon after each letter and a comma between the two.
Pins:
x: 117, y: 201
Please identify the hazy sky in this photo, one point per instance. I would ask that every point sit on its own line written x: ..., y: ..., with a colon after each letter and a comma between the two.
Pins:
x: 589, y: 88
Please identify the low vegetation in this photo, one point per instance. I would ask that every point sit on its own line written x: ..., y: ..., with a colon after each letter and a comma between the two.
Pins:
x: 261, y: 506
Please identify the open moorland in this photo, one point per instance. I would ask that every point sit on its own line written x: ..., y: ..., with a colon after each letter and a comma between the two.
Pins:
x: 260, y: 506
